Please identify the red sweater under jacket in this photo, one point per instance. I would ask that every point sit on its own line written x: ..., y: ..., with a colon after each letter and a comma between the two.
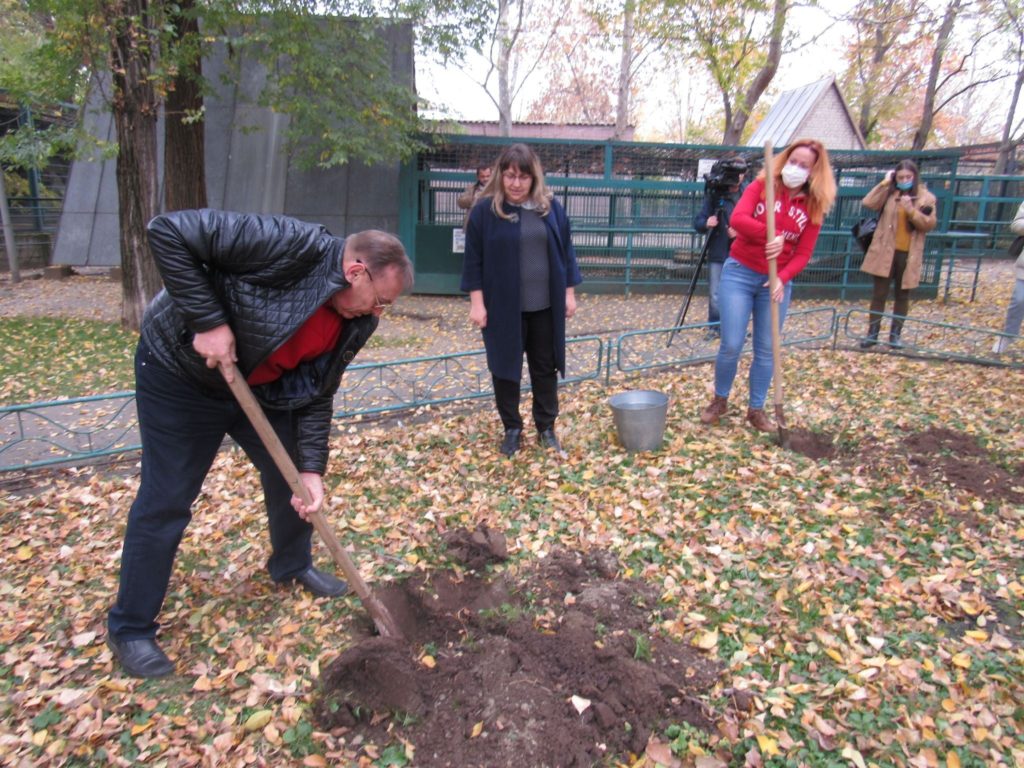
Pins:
x: 314, y: 337
x: 791, y: 220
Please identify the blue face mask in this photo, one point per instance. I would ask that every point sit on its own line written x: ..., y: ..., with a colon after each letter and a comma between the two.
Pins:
x: 903, y: 186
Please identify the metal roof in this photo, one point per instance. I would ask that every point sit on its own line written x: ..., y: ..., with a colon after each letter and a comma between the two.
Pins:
x: 786, y: 115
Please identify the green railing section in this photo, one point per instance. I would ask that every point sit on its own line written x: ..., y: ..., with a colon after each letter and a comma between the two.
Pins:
x: 84, y: 429
x: 632, y: 206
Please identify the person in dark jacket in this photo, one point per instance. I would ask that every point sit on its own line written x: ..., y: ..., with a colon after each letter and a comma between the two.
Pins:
x: 520, y: 272
x: 713, y: 220
x: 291, y: 305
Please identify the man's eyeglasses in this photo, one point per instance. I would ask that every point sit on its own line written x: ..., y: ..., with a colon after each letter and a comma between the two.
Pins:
x: 377, y: 303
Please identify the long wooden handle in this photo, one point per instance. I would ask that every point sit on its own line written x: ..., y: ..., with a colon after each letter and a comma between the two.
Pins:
x: 382, y: 619
x: 773, y: 276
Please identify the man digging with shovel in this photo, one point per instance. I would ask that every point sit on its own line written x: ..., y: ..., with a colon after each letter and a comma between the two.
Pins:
x: 290, y: 304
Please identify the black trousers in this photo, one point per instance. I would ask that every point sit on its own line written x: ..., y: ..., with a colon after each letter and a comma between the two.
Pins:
x: 901, y: 298
x: 539, y: 345
x: 182, y: 429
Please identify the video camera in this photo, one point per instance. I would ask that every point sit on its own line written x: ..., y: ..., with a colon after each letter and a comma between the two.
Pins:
x: 723, y: 175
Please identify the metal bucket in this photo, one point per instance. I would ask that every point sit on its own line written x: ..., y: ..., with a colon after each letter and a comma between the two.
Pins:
x: 640, y: 418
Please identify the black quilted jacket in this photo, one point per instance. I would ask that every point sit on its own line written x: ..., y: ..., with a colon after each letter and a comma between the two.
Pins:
x: 264, y: 276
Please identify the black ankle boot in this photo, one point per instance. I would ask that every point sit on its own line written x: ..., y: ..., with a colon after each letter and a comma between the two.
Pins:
x: 872, y: 338
x: 894, y: 334
x: 510, y: 444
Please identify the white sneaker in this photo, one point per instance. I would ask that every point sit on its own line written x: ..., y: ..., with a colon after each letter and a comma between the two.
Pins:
x: 1000, y: 345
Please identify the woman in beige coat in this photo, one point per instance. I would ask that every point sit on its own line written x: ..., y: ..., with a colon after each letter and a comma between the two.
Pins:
x: 906, y: 212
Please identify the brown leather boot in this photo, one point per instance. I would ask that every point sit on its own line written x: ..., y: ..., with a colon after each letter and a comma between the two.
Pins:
x: 759, y: 420
x: 715, y: 410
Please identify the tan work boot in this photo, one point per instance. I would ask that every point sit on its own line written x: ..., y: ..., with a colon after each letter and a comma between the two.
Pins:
x: 759, y: 420
x: 715, y: 410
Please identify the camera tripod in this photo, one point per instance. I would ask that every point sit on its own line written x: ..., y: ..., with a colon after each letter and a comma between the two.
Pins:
x: 696, y: 273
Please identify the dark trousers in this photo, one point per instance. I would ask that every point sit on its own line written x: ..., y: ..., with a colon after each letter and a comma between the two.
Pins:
x: 539, y: 344
x: 901, y: 300
x: 182, y: 429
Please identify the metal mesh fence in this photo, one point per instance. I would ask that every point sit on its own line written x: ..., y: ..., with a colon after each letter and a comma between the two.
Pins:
x: 632, y: 206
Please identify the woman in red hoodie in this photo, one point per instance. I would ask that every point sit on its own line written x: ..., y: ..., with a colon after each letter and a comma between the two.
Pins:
x: 804, y: 192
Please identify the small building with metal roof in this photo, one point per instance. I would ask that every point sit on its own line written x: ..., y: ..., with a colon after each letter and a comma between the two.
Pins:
x: 817, y: 111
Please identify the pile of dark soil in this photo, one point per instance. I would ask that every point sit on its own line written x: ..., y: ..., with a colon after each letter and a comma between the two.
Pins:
x: 956, y: 459
x: 557, y: 664
x: 813, y: 445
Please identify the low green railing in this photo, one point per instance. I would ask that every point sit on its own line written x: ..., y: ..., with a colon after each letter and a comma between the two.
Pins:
x: 84, y: 429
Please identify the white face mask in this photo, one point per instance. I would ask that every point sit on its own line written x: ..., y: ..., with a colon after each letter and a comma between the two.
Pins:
x: 793, y: 176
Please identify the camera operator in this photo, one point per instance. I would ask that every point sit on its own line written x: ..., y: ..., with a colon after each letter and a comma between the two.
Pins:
x: 721, y: 191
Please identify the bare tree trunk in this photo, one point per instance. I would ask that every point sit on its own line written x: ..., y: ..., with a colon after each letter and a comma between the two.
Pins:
x: 135, y: 114
x: 737, y: 121
x: 625, y: 71
x: 941, y: 43
x: 184, y: 148
x: 867, y: 117
x: 1006, y: 141
x: 5, y: 219
x: 504, y: 54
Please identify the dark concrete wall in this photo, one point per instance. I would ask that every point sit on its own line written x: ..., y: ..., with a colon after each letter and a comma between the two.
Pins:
x: 246, y: 170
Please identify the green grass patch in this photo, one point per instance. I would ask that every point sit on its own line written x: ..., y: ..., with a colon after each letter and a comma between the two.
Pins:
x: 45, y: 358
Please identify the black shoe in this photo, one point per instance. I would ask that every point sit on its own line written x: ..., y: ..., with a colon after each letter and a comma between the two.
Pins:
x: 549, y: 439
x: 894, y: 341
x: 510, y: 444
x: 869, y: 342
x: 321, y: 584
x: 141, y: 657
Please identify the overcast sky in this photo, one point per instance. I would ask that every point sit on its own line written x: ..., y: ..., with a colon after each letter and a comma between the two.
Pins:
x: 457, y: 91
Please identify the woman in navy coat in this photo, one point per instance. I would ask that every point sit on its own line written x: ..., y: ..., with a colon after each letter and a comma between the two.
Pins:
x: 520, y: 272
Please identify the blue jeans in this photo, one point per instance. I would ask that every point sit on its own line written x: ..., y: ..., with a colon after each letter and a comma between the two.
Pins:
x: 714, y: 280
x: 182, y: 429
x: 1015, y: 312
x: 740, y: 294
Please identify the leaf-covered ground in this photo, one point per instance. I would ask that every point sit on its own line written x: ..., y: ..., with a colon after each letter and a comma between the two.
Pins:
x: 866, y: 610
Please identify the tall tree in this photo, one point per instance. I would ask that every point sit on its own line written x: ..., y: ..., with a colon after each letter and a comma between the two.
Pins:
x: 942, y: 41
x: 331, y: 76
x: 739, y: 42
x: 883, y: 62
x: 184, y: 141
x: 633, y: 28
x: 625, y: 70
x: 579, y: 81
x: 133, y: 51
x: 518, y: 45
x: 1011, y: 130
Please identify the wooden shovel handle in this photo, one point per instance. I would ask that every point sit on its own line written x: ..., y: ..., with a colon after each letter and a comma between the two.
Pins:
x: 773, y: 276
x: 385, y: 624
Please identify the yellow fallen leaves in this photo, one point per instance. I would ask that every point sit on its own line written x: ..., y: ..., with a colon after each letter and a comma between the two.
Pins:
x: 767, y: 745
x: 962, y: 660
x: 257, y: 720
x: 707, y: 640
x: 854, y: 756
